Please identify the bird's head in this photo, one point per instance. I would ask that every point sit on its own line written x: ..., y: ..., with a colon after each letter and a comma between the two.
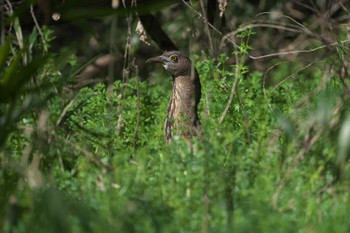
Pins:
x: 176, y: 63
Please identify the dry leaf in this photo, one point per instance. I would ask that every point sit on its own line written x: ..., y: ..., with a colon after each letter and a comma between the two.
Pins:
x: 222, y: 6
x: 142, y: 33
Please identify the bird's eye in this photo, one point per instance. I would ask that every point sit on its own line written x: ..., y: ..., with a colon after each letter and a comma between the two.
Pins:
x: 173, y: 58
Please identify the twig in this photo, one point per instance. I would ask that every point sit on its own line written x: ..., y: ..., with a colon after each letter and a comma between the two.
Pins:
x: 2, y: 23
x: 292, y: 75
x: 209, y: 24
x: 290, y: 18
x: 308, y: 143
x: 202, y: 17
x: 37, y: 26
x: 324, y: 188
x: 299, y: 51
x: 65, y: 110
x: 256, y: 25
x: 326, y: 78
x: 133, y: 64
x: 265, y: 78
x: 112, y: 52
x: 88, y: 155
x: 18, y: 32
x: 207, y: 27
x: 234, y: 85
x: 298, y: 2
x: 126, y: 70
x: 205, y: 217
x: 342, y: 6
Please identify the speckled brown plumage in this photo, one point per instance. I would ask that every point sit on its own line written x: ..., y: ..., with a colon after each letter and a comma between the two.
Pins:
x: 182, y: 116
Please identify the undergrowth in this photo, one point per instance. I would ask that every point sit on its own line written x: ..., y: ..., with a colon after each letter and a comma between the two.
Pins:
x: 97, y: 161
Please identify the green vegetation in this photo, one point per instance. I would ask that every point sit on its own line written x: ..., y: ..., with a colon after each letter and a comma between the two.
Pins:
x: 95, y: 160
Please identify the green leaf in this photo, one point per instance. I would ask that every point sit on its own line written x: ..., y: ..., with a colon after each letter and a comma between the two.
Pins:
x: 15, y: 77
x: 4, y: 51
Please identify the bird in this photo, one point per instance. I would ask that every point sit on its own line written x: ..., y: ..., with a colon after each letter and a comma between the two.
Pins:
x: 182, y: 114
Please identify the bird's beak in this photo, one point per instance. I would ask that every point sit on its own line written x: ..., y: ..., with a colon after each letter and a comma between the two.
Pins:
x: 158, y: 59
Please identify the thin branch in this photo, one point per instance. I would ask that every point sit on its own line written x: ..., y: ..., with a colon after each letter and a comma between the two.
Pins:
x: 298, y: 2
x: 341, y: 4
x: 325, y: 187
x: 37, y: 26
x: 299, y: 51
x: 309, y: 141
x: 232, y: 93
x: 229, y: 102
x: 65, y: 110
x: 87, y: 154
x: 265, y: 78
x: 209, y: 24
x: 133, y: 64
x: 126, y: 70
x: 290, y: 18
x: 207, y: 27
x: 18, y: 32
x: 112, y: 52
x: 293, y: 74
x: 328, y: 74
x: 2, y: 23
x: 202, y: 17
x: 256, y: 25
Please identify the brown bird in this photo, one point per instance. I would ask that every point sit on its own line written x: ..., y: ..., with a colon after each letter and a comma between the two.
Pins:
x: 182, y: 117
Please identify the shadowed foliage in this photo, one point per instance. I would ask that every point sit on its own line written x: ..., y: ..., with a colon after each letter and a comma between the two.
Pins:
x: 81, y: 116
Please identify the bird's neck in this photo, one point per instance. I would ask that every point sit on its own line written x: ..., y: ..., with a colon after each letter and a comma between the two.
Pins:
x: 182, y: 110
x: 184, y: 90
x: 183, y: 103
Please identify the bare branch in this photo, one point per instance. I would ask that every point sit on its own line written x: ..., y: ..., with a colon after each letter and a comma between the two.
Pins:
x: 207, y: 27
x: 299, y: 51
x: 37, y: 26
x: 256, y: 25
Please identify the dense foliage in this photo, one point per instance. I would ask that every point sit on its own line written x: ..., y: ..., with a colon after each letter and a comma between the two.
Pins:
x: 95, y: 160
